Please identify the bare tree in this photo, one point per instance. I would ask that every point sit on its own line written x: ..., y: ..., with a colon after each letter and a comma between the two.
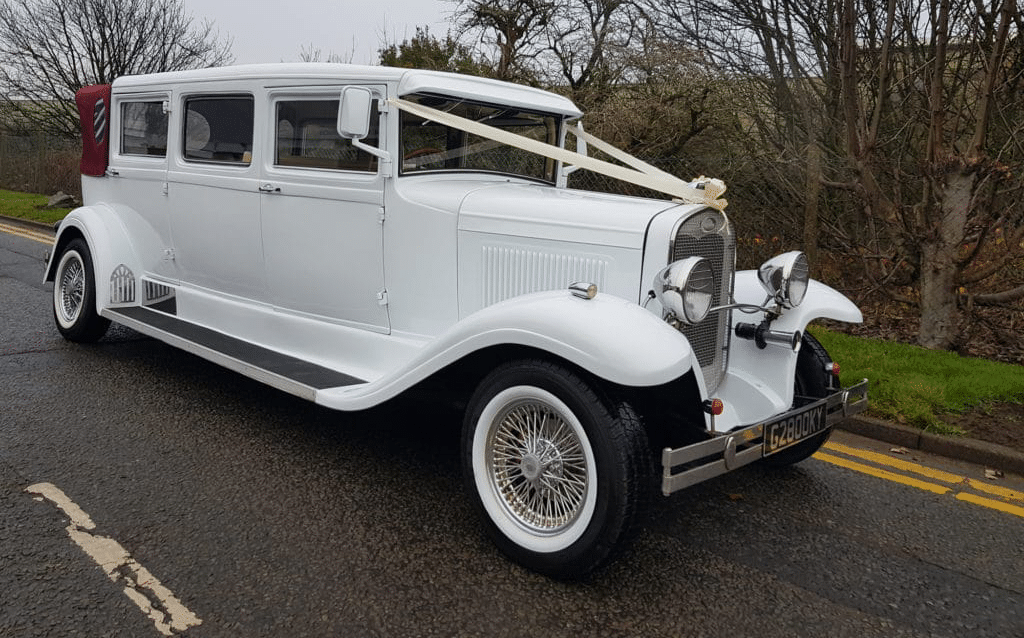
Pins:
x: 664, y: 103
x: 947, y: 60
x: 510, y: 32
x: 590, y: 44
x: 781, y: 56
x: 51, y: 48
x: 912, y: 111
x: 578, y: 46
x: 314, y: 53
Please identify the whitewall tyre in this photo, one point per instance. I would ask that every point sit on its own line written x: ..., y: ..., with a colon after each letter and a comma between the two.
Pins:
x: 558, y: 472
x: 74, y: 295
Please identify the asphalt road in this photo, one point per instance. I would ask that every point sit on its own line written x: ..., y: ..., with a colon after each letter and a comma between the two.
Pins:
x: 269, y: 516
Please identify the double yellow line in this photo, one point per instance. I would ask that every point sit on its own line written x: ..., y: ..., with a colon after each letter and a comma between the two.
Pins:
x: 940, y: 482
x: 27, y: 233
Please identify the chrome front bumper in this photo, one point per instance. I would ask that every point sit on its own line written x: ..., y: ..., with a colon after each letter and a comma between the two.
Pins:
x: 726, y: 452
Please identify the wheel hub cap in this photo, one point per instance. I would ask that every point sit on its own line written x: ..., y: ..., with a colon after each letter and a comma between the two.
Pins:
x: 544, y: 460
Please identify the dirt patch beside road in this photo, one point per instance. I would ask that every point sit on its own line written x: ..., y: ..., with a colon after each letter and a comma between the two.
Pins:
x: 1001, y: 423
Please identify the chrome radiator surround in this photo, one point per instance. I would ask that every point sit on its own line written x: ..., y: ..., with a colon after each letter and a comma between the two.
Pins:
x: 708, y: 234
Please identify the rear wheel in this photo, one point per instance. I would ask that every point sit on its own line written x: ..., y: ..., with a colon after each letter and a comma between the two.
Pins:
x: 812, y: 380
x: 558, y: 472
x: 74, y: 295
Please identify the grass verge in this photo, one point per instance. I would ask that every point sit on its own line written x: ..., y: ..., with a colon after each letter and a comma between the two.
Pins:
x: 29, y: 206
x: 913, y: 385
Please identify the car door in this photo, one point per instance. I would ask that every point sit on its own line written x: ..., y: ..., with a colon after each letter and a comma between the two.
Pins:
x: 322, y: 213
x: 213, y: 190
x: 138, y: 168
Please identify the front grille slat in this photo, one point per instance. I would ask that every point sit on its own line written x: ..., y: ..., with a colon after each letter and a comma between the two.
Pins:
x: 708, y: 234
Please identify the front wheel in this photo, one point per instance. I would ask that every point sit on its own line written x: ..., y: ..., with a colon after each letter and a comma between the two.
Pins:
x: 74, y: 295
x: 558, y: 472
x: 812, y: 380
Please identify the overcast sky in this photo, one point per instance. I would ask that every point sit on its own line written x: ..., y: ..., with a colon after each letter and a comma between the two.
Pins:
x: 279, y: 31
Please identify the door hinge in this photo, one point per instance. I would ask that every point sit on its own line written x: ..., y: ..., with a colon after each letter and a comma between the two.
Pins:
x: 381, y: 215
x: 382, y: 297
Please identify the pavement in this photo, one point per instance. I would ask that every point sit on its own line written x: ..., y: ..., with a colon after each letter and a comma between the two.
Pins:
x: 984, y: 453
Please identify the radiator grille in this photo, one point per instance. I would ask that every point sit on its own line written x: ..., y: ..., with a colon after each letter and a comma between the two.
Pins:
x: 708, y: 234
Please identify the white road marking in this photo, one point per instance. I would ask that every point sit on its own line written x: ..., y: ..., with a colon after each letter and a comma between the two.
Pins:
x: 155, y: 600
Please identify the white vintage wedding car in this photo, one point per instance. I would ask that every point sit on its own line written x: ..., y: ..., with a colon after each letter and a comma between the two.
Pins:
x: 346, y: 233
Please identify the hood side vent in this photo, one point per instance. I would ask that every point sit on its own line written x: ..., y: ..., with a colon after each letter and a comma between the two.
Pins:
x: 509, y: 272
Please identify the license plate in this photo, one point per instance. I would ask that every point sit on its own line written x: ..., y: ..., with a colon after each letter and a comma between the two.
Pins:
x: 794, y: 427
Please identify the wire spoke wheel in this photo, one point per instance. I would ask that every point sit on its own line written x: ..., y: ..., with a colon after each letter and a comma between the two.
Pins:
x: 74, y: 295
x: 557, y: 469
x: 70, y: 288
x: 538, y: 467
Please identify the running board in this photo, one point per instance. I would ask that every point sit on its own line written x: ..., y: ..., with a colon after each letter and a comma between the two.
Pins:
x: 281, y: 371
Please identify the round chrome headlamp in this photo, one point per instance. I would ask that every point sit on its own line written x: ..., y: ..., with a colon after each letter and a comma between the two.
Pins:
x: 685, y: 288
x: 785, y: 278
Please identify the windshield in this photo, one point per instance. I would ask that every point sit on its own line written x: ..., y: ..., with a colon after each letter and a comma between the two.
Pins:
x: 429, y: 146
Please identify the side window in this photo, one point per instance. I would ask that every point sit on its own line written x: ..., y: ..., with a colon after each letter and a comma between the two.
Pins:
x: 143, y: 128
x: 219, y: 129
x: 307, y: 137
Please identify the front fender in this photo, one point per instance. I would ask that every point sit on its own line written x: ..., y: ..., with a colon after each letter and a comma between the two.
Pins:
x: 820, y: 302
x: 759, y: 382
x: 609, y: 337
x: 108, y: 242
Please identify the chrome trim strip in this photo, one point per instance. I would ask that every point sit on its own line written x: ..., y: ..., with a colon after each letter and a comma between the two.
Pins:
x: 744, y: 446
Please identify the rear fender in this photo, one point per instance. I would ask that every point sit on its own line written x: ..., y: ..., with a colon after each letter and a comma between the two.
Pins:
x: 114, y: 258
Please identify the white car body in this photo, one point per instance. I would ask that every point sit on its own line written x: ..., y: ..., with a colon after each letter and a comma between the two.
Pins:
x: 353, y: 286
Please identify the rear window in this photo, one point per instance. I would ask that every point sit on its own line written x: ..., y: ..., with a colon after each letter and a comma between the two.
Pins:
x: 144, y: 128
x: 219, y: 129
